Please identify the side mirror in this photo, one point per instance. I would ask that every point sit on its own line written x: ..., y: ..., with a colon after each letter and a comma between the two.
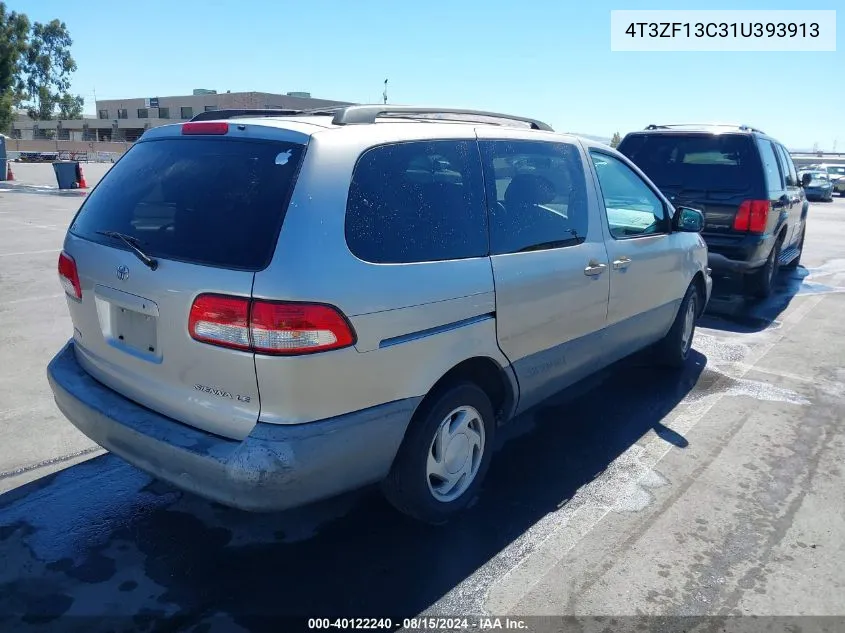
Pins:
x: 688, y: 220
x: 806, y: 179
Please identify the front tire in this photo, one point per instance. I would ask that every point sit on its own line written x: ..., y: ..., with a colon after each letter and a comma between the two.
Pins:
x: 444, y: 456
x: 674, y: 349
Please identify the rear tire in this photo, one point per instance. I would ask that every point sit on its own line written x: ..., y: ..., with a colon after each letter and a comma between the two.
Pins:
x: 445, y: 455
x: 762, y: 282
x: 674, y: 349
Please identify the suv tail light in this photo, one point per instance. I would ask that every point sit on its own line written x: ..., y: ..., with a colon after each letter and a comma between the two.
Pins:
x: 69, y: 276
x: 753, y: 216
x: 268, y: 327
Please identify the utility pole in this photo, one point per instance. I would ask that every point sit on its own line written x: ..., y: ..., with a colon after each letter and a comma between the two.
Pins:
x: 385, y: 92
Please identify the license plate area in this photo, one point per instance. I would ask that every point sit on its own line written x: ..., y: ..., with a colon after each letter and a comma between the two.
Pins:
x: 128, y: 322
x: 134, y: 329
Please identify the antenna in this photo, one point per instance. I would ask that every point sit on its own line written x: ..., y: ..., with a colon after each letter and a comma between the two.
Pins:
x: 385, y: 92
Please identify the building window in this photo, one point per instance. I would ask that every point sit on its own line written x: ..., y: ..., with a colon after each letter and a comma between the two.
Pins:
x: 210, y: 108
x: 164, y: 113
x: 186, y: 113
x: 103, y: 114
x: 143, y: 113
x: 122, y: 114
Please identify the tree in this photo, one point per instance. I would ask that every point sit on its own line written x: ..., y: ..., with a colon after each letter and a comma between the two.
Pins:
x: 45, y: 69
x: 70, y: 107
x: 615, y: 140
x: 14, y: 36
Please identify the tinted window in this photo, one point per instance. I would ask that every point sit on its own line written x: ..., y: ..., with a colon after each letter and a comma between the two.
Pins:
x: 537, y: 195
x: 417, y: 202
x: 788, y: 166
x: 211, y: 201
x: 695, y: 161
x: 774, y: 177
x: 632, y: 207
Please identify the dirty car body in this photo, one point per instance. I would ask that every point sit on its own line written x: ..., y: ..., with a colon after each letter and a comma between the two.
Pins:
x: 271, y: 310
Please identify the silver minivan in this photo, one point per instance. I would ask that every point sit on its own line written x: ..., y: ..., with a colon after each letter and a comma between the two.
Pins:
x: 271, y: 308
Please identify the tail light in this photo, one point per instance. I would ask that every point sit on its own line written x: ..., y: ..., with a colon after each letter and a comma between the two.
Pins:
x: 267, y: 327
x: 220, y: 320
x: 753, y: 216
x: 69, y: 276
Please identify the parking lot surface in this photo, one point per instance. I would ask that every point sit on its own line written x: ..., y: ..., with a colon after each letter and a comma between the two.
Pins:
x: 713, y: 491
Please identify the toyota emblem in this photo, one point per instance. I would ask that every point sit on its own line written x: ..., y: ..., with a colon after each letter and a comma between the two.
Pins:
x: 122, y: 272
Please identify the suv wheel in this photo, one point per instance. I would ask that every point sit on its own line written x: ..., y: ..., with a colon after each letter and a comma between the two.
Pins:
x: 444, y: 456
x: 675, y: 347
x: 762, y: 282
x: 794, y: 263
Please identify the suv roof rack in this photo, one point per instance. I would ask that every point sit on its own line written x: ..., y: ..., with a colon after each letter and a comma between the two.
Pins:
x: 744, y: 128
x: 215, y: 115
x: 365, y: 114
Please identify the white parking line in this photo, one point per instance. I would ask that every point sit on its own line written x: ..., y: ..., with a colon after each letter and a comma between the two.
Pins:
x: 49, y: 227
x: 28, y: 299
x: 49, y: 250
x: 528, y: 559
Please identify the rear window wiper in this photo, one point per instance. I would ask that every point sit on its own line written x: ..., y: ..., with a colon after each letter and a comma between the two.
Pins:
x: 133, y: 244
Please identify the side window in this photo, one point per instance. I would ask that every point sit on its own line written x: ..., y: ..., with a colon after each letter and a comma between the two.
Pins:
x: 774, y: 178
x: 537, y: 195
x: 419, y: 201
x: 788, y: 165
x: 633, y: 209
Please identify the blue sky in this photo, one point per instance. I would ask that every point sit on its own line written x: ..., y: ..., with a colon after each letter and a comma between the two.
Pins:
x: 546, y: 59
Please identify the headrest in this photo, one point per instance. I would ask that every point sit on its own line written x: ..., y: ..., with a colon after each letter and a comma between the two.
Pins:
x: 529, y: 189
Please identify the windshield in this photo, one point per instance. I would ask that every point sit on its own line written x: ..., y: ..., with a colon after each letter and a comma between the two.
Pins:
x: 699, y: 161
x: 210, y: 201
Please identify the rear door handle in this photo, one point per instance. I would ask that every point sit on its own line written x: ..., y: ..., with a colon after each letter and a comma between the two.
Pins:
x: 621, y: 263
x: 594, y: 269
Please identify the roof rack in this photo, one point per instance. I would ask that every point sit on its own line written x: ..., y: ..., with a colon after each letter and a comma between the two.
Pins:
x: 215, y: 115
x: 744, y: 128
x: 364, y: 114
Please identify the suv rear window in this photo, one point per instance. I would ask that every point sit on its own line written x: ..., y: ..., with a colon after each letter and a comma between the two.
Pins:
x: 418, y: 201
x: 206, y: 201
x: 695, y: 161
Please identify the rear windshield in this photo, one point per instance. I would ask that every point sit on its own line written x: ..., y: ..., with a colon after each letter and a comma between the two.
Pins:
x: 698, y: 161
x: 207, y: 201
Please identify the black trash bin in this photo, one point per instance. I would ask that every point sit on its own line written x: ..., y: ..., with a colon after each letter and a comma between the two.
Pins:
x: 66, y: 171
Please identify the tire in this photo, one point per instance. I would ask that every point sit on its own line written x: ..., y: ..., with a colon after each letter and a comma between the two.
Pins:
x: 795, y: 262
x: 674, y: 349
x: 414, y: 486
x: 762, y: 282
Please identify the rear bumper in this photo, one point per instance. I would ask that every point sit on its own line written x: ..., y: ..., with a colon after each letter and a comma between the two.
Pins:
x: 738, y: 254
x: 274, y: 468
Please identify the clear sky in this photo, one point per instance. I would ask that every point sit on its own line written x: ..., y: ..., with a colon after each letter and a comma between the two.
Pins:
x: 546, y: 59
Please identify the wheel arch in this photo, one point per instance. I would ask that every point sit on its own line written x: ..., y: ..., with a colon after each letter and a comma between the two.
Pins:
x: 499, y: 383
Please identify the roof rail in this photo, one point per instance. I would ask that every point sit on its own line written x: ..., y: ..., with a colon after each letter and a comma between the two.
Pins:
x: 744, y: 128
x: 364, y: 114
x: 214, y: 115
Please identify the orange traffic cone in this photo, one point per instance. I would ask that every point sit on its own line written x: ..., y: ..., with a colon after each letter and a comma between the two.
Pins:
x: 9, y: 174
x: 80, y: 177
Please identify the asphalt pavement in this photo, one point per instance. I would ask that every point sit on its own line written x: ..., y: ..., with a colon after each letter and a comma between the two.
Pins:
x: 715, y: 491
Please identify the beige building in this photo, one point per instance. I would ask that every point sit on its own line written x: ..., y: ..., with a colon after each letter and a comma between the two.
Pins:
x: 125, y: 120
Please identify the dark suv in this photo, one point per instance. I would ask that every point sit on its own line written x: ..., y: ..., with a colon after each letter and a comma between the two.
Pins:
x: 745, y: 182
